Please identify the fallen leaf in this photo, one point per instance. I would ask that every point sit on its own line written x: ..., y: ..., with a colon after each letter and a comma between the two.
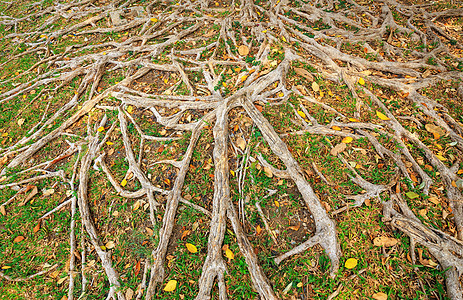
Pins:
x: 170, y: 286
x: 18, y: 239
x: 2, y: 210
x: 380, y: 296
x: 382, y: 116
x: 277, y: 204
x: 304, y: 73
x: 353, y: 120
x: 36, y: 227
x: 124, y: 182
x: 136, y: 205
x: 109, y: 143
x: 347, y: 140
x: 192, y: 248
x: 21, y: 122
x: 149, y: 231
x: 295, y: 227
x: 129, y: 294
x: 137, y: 267
x: 6, y: 267
x: 315, y: 87
x: 100, y: 129
x: 301, y: 113
x: 130, y: 109
x: 385, y: 241
x: 243, y: 78
x: 241, y: 143
x: 154, y: 20
x: 258, y: 230
x: 48, y: 192
x: 350, y: 263
x: 62, y: 280
x: 435, y: 130
x: 338, y: 149
x: 110, y: 245
x: 337, y: 128
x: 243, y: 50
x: 268, y: 172
x: 412, y: 195
x: 229, y: 254
x: 361, y: 81
x: 440, y: 157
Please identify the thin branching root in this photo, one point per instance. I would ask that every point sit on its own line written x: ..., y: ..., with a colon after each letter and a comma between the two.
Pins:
x: 157, y: 109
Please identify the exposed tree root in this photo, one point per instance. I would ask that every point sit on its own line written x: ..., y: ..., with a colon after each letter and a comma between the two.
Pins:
x: 175, y: 40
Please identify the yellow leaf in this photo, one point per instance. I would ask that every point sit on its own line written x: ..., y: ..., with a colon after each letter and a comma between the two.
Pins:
x: 382, y: 116
x: 336, y: 128
x: 347, y: 140
x: 130, y: 109
x: 460, y: 172
x: 103, y: 248
x: 154, y: 20
x: 302, y: 114
x: 283, y: 38
x: 124, y: 182
x: 170, y: 286
x: 351, y: 263
x: 244, y: 78
x: 192, y: 248
x: 232, y: 173
x: 330, y: 93
x: 353, y: 120
x: 281, y: 94
x: 277, y: 204
x: 361, y: 81
x: 109, y: 143
x: 441, y: 158
x: 100, y: 129
x: 6, y: 267
x: 5, y: 134
x: 229, y: 254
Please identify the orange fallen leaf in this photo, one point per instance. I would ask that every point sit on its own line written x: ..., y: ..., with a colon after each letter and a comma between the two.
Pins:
x: 19, y: 238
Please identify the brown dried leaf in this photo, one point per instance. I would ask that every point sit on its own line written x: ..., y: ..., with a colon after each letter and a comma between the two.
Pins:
x: 34, y: 192
x: 243, y: 50
x: 338, y: 149
x: 315, y: 87
x: 304, y: 73
x: 129, y: 294
x: 435, y: 130
x: 149, y: 231
x: 2, y: 210
x: 380, y: 296
x: 268, y: 172
x: 241, y: 143
x: 385, y: 241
